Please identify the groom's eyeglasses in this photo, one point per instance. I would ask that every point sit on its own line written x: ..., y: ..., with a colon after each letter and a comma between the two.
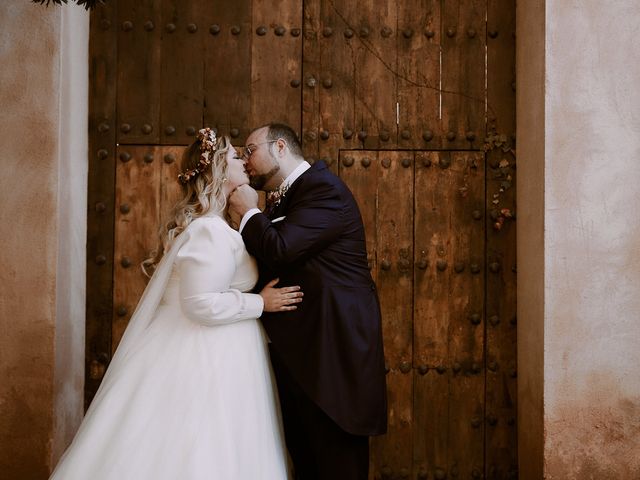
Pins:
x: 249, y: 149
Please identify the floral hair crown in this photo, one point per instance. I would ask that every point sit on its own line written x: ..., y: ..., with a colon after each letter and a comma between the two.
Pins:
x: 208, y: 140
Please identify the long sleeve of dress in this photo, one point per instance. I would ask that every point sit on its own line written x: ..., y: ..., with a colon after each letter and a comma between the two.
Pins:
x: 207, y: 266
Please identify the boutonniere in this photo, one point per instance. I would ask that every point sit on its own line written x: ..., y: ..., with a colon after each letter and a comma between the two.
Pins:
x: 275, y: 197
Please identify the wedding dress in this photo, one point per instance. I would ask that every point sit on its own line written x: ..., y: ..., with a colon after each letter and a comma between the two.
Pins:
x: 189, y: 394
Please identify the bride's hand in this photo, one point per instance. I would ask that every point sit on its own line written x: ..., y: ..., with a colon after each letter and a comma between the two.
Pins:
x: 280, y: 299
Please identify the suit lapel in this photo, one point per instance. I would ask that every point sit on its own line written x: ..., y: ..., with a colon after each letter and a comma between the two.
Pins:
x: 281, y: 208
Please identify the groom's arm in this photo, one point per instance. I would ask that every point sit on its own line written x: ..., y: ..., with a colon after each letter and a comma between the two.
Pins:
x: 246, y: 217
x: 314, y: 220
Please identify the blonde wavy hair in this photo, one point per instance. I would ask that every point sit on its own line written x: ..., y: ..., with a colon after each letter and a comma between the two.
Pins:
x: 202, y: 194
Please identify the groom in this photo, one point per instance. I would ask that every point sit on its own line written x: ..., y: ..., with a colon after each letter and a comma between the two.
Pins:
x: 327, y: 355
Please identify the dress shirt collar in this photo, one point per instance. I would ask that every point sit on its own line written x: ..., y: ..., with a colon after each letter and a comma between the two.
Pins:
x: 293, y: 176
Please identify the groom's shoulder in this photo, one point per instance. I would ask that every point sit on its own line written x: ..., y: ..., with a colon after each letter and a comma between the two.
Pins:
x: 320, y: 182
x: 319, y: 173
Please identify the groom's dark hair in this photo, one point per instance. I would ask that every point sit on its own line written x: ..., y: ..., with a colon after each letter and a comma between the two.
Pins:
x: 280, y: 130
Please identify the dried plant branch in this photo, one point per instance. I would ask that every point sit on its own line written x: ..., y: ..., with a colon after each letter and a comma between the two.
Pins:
x: 87, y: 4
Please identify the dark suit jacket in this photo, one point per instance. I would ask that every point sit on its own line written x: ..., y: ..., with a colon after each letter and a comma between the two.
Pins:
x: 332, y: 344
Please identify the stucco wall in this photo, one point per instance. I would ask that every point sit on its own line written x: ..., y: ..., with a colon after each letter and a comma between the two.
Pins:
x: 43, y: 136
x: 580, y: 229
x: 72, y: 226
x: 592, y: 257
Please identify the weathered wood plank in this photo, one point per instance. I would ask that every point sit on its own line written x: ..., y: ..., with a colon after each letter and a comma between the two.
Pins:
x: 276, y: 60
x: 418, y: 44
x: 335, y: 80
x: 375, y: 59
x: 463, y: 73
x: 227, y: 78
x: 465, y: 178
x: 394, y: 226
x: 501, y: 57
x: 501, y: 392
x: 139, y: 51
x: 138, y: 174
x: 182, y: 71
x: 307, y: 82
x: 394, y: 230
x: 100, y: 208
x: 170, y: 188
x: 431, y: 315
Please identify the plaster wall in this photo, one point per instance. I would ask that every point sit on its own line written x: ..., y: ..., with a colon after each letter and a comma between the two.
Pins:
x: 43, y: 138
x: 72, y: 226
x: 592, y: 240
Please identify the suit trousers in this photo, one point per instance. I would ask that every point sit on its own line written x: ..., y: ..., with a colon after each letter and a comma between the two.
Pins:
x: 319, y: 448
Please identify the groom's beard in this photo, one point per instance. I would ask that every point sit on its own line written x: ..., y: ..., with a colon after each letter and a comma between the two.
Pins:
x: 259, y: 181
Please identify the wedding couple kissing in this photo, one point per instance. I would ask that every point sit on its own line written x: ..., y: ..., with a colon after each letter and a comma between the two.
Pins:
x: 256, y: 350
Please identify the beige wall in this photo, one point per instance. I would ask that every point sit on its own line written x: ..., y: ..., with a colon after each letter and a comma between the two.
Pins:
x: 72, y: 232
x: 43, y: 147
x: 589, y: 332
x: 592, y: 381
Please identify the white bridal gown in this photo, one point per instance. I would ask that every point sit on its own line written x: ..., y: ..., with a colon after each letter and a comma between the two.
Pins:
x: 190, y: 394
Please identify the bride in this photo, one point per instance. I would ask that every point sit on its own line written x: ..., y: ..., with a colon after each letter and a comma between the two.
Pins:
x: 190, y: 393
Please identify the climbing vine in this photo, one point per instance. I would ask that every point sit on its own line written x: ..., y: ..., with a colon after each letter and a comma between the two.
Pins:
x: 504, y: 166
x: 87, y: 4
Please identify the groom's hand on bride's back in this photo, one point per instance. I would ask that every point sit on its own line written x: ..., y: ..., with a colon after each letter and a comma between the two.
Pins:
x: 243, y: 199
x: 282, y: 299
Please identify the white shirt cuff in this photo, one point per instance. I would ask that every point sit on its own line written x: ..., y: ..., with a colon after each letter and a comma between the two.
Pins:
x: 247, y: 216
x: 254, y: 305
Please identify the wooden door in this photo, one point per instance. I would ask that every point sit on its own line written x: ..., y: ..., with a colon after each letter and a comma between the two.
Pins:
x: 412, y: 104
